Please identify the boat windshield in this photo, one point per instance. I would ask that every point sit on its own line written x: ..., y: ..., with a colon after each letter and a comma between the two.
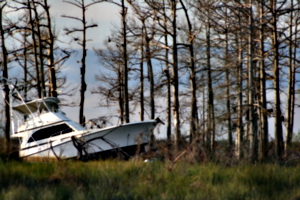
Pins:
x: 50, y: 132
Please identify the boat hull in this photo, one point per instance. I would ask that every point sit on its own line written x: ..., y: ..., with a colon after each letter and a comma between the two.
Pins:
x: 124, y: 140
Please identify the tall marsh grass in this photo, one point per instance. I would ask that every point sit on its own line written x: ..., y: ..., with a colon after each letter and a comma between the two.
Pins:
x: 138, y: 180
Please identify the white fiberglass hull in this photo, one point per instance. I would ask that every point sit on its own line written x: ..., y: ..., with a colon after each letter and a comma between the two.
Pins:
x: 96, y: 141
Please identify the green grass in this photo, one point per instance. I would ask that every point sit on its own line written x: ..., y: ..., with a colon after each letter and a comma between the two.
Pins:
x: 139, y: 180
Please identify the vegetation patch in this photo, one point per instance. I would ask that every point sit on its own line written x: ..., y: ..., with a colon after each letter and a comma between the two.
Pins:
x: 113, y: 179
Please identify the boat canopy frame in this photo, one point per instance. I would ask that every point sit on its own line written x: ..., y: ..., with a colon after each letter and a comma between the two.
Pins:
x: 38, y: 105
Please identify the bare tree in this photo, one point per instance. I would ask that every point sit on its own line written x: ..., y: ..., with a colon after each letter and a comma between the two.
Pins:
x: 146, y: 36
x: 125, y: 57
x: 111, y: 75
x: 166, y: 18
x: 294, y: 19
x: 192, y: 68
x: 276, y: 70
x: 82, y: 42
x: 5, y: 76
x: 205, y: 9
x: 251, y: 87
x: 176, y: 105
x: 35, y: 50
x: 35, y: 24
x: 50, y: 52
x: 263, y: 112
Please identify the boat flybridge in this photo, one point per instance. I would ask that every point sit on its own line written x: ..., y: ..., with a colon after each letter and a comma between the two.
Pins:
x: 46, y: 132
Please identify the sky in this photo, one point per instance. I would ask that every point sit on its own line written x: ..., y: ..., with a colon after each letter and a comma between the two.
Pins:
x: 103, y: 14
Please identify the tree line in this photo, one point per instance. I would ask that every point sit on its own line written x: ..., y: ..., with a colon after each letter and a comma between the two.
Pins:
x: 222, y: 67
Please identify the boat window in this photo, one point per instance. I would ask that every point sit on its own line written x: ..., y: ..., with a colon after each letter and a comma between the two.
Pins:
x: 50, y: 132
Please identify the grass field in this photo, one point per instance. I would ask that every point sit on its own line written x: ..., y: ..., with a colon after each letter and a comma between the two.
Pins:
x: 153, y: 180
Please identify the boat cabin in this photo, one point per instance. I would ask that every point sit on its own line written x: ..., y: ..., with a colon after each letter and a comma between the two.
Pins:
x: 43, y: 119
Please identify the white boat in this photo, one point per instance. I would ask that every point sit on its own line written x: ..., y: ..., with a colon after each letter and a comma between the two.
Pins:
x: 46, y: 132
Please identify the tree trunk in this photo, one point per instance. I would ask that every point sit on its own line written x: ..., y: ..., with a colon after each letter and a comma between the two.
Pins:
x: 264, y: 129
x: 210, y: 99
x: 239, y: 128
x: 142, y: 77
x: 175, y: 75
x: 251, y: 90
x: 52, y: 71
x: 40, y: 53
x: 121, y: 95
x: 25, y: 65
x: 278, y: 116
x: 83, y: 68
x: 6, y: 86
x: 126, y: 97
x: 291, y: 86
x: 167, y: 73
x: 193, y: 85
x: 228, y: 107
x: 150, y: 75
x: 34, y: 51
x: 169, y: 104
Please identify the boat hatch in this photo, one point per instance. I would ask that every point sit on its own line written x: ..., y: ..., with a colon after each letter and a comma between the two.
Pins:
x: 50, y: 132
